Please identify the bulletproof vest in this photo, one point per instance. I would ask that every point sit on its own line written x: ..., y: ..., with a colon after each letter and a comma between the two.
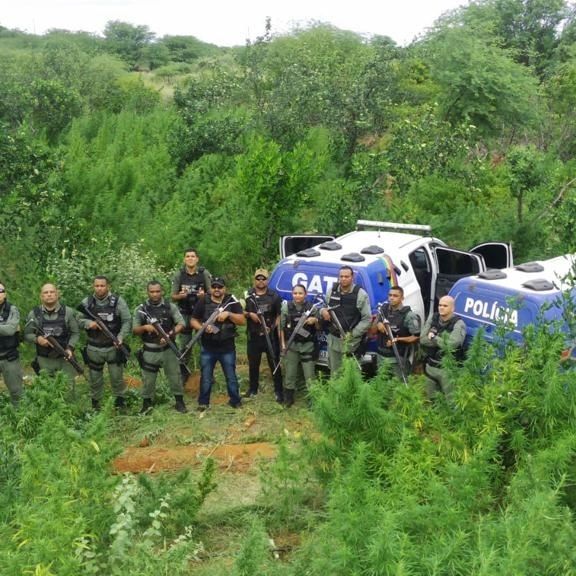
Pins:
x: 191, y: 283
x: 108, y: 313
x: 347, y: 311
x: 398, y: 327
x: 56, y: 327
x: 305, y: 333
x: 265, y: 304
x: 434, y: 355
x: 225, y: 330
x: 8, y: 343
x: 160, y: 312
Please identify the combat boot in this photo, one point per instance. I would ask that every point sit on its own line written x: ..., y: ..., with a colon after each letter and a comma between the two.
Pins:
x: 95, y: 405
x: 146, y: 406
x: 288, y: 397
x: 279, y: 394
x: 120, y: 404
x: 180, y: 406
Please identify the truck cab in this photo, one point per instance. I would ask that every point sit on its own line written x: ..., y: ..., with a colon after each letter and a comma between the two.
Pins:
x: 383, y: 254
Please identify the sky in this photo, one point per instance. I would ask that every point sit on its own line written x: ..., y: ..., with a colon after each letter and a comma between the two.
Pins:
x: 227, y: 22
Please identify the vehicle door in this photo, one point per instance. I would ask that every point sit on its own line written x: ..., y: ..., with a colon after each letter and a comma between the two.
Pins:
x: 496, y: 255
x: 451, y: 266
x: 293, y: 244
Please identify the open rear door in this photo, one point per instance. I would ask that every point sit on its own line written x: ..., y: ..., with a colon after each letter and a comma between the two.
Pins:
x: 453, y: 265
x: 291, y: 244
x: 495, y: 254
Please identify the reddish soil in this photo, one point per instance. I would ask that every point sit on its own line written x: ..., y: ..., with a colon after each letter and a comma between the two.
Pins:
x: 230, y: 457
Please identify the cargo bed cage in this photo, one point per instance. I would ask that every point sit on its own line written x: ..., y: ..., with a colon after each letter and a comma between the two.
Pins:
x: 393, y: 226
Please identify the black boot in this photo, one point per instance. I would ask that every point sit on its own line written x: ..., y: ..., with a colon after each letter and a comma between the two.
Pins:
x: 95, y: 405
x: 279, y: 394
x: 288, y: 397
x: 180, y: 406
x: 146, y: 406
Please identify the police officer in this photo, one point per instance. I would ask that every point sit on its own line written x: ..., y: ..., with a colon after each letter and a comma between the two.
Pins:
x: 403, y: 326
x: 218, y: 341
x: 188, y: 284
x: 156, y: 353
x: 351, y: 305
x: 262, y: 299
x: 442, y: 332
x: 100, y: 350
x: 54, y: 320
x: 300, y: 353
x: 10, y: 366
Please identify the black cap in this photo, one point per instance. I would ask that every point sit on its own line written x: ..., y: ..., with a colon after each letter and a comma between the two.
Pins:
x: 218, y: 281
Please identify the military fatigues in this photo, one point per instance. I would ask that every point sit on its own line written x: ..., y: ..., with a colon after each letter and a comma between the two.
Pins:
x: 10, y: 366
x: 353, y: 311
x: 301, y: 350
x: 183, y: 281
x: 269, y: 305
x: 403, y: 322
x: 153, y: 355
x: 100, y: 350
x: 60, y: 323
x: 446, y: 335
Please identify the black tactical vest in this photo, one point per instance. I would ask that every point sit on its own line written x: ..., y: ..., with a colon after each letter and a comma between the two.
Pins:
x: 434, y: 355
x: 306, y: 333
x: 226, y: 330
x: 8, y: 343
x: 56, y: 327
x: 399, y: 330
x: 265, y: 304
x: 191, y: 283
x: 109, y: 316
x: 160, y: 312
x: 347, y: 311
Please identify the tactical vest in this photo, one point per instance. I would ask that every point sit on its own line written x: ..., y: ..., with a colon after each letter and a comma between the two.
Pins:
x: 56, y: 327
x: 306, y: 333
x: 434, y: 355
x: 8, y: 343
x: 191, y: 283
x: 163, y: 314
x: 109, y: 316
x: 265, y: 304
x: 397, y: 319
x: 226, y: 330
x: 347, y: 311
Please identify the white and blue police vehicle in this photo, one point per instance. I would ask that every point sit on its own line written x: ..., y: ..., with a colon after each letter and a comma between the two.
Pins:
x: 515, y: 297
x: 383, y: 254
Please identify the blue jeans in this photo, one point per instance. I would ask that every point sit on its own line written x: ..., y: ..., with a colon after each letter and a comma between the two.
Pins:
x: 208, y: 359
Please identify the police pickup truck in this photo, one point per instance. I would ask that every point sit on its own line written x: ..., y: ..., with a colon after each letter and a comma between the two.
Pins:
x: 383, y: 254
x: 516, y: 297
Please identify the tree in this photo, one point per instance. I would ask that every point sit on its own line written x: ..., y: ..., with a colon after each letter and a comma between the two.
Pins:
x: 128, y: 41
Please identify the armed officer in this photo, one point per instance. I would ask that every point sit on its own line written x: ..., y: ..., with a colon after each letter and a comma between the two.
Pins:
x: 263, y: 302
x: 10, y: 366
x: 443, y: 332
x: 189, y: 283
x: 351, y: 306
x: 57, y: 321
x: 112, y: 311
x: 404, y: 328
x: 300, y: 353
x: 218, y: 340
x: 156, y: 352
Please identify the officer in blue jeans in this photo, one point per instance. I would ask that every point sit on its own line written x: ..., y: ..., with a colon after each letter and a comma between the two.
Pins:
x: 218, y: 340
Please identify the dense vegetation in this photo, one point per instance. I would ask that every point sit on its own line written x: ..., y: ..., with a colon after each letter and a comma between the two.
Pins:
x: 117, y: 152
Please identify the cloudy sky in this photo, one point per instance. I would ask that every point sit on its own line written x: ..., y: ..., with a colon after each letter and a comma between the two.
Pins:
x: 226, y: 22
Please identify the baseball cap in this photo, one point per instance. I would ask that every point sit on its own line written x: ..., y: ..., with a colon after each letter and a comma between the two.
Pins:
x: 218, y: 281
x: 261, y: 272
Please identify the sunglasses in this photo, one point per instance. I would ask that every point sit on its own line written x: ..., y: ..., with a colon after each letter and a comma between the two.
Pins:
x: 217, y: 286
x: 261, y: 278
x: 2, y: 290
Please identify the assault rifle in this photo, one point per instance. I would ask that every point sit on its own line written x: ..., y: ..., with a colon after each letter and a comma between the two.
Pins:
x: 262, y: 320
x: 106, y: 331
x: 210, y: 321
x: 60, y: 349
x: 164, y: 335
x: 297, y: 328
x: 380, y: 317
